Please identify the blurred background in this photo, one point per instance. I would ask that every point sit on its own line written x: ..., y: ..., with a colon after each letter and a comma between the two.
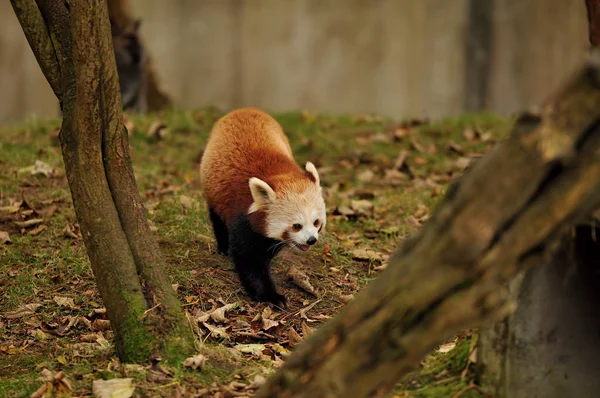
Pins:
x: 399, y: 58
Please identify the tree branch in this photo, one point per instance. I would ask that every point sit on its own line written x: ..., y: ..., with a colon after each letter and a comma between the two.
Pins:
x: 593, y: 14
x: 504, y: 216
x: 30, y: 16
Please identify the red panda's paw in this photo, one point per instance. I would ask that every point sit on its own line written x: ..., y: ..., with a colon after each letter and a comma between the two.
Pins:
x: 274, y: 298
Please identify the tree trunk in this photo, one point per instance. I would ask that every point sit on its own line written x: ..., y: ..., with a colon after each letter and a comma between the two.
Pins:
x: 593, y: 13
x: 504, y: 216
x: 71, y: 41
x: 120, y: 15
x: 549, y: 347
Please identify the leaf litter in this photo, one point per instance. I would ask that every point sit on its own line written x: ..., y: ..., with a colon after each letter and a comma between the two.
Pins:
x: 371, y: 208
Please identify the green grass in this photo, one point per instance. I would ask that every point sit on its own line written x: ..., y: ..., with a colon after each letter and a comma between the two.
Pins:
x: 36, y: 269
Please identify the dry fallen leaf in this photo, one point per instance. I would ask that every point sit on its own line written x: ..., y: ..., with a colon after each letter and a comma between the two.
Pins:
x: 367, y: 255
x: 39, y: 167
x: 113, y: 388
x: 306, y: 330
x: 61, y: 328
x: 11, y: 209
x: 39, y: 334
x: 346, y: 297
x: 29, y: 223
x: 37, y: 230
x: 366, y: 176
x: 256, y: 383
x: 253, y: 349
x: 471, y: 135
x: 268, y: 324
x: 103, y: 343
x: 281, y: 350
x: 56, y: 383
x: 195, y: 362
x: 72, y: 231
x: 159, y: 374
x: 420, y: 160
x: 24, y: 310
x: 400, y: 133
x: 100, y: 325
x: 186, y: 201
x: 216, y: 331
x: 267, y: 312
x: 294, y: 338
x: 416, y: 145
x: 158, y: 130
x: 4, y: 237
x: 412, y: 220
x: 89, y: 337
x: 64, y: 302
x: 394, y: 177
x: 462, y: 163
x: 363, y: 207
x: 301, y: 280
x: 48, y: 212
x: 218, y: 315
x: 487, y: 136
x: 344, y: 211
x: 453, y: 147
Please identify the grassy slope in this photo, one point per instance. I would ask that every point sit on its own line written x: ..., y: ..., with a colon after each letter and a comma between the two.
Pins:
x: 353, y: 154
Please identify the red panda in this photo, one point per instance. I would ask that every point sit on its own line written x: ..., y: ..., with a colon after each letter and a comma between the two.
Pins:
x: 259, y: 200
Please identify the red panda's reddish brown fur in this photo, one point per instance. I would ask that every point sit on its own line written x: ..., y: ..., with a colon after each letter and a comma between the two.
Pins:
x: 247, y: 143
x: 259, y: 199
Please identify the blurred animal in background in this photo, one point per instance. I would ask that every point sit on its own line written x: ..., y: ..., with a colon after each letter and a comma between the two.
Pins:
x: 131, y: 60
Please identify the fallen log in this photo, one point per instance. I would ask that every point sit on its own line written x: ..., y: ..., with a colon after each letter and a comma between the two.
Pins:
x: 506, y: 214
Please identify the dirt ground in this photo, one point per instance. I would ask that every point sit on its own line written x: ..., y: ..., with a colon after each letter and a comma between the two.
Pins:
x: 381, y: 180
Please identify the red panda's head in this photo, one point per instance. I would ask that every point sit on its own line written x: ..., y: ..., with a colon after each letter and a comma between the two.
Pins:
x: 295, y: 210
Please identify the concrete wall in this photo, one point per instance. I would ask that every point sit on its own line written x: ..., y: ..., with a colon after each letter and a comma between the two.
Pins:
x: 23, y: 88
x: 403, y: 58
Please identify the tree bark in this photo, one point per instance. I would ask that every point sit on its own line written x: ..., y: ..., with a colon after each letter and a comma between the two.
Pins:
x: 504, y: 216
x: 120, y: 14
x: 72, y: 43
x: 593, y: 13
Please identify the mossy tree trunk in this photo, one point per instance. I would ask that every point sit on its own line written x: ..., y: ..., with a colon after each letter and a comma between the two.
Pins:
x: 72, y: 43
x: 504, y: 216
x: 549, y: 347
x: 120, y: 14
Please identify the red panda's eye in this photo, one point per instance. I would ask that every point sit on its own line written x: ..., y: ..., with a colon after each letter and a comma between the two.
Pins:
x: 316, y: 223
x: 297, y: 227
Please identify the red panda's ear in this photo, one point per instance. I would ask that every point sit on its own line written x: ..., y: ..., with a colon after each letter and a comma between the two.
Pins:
x: 261, y: 192
x: 312, y: 172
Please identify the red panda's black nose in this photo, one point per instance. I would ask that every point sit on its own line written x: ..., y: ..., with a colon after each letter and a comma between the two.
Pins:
x: 311, y: 241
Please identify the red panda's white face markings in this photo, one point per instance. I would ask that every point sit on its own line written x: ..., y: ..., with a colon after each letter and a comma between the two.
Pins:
x: 297, y: 217
x: 296, y: 214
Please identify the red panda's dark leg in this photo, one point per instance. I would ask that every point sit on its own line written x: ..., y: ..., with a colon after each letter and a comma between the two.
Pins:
x: 252, y: 254
x: 220, y: 231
